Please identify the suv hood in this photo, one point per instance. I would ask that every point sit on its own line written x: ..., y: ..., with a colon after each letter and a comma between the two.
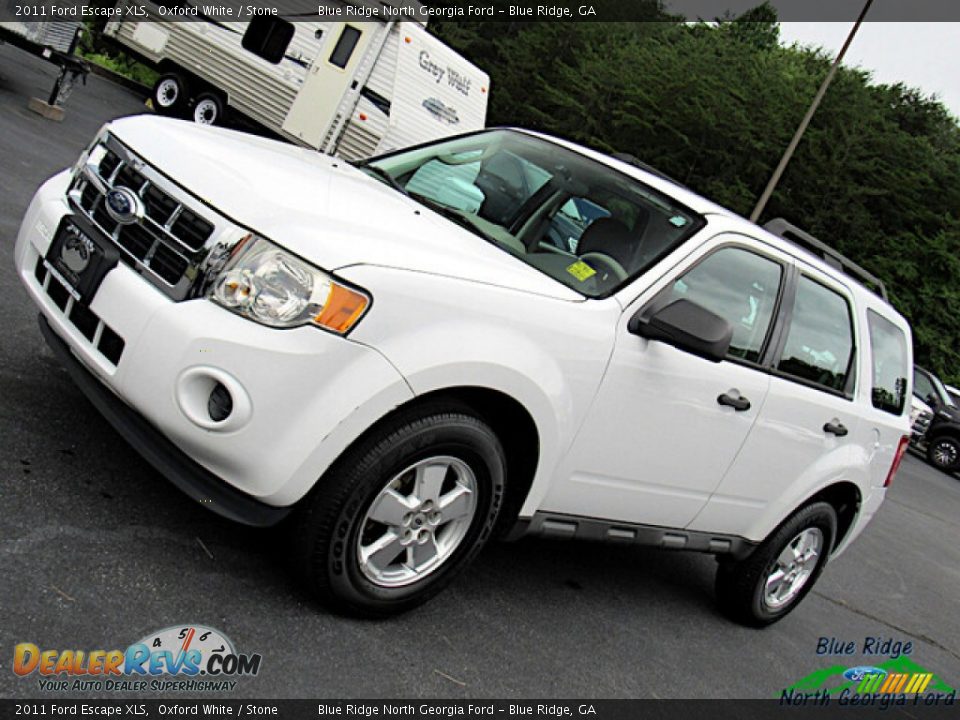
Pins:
x: 320, y: 207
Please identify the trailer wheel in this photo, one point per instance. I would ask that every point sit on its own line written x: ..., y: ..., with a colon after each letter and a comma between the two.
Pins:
x: 170, y: 94
x: 207, y: 109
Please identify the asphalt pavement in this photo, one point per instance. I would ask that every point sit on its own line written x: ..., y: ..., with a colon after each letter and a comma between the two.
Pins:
x: 97, y: 550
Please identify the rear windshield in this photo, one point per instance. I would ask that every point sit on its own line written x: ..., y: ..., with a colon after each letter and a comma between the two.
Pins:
x: 888, y: 347
x: 579, y: 221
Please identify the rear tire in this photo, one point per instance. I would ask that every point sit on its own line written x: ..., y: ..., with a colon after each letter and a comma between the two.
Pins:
x: 402, y: 513
x: 171, y: 94
x: 208, y: 109
x: 944, y: 453
x: 770, y: 582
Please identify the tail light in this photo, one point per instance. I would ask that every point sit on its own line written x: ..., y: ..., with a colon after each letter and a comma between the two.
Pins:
x: 897, y: 459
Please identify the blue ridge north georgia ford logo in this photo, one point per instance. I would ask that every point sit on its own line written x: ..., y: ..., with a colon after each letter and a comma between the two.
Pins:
x: 123, y: 205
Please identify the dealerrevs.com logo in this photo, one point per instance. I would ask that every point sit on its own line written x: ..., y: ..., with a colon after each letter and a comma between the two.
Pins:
x: 186, y: 658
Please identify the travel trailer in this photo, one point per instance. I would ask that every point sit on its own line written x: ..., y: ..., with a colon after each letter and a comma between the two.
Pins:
x: 319, y: 79
x: 37, y: 36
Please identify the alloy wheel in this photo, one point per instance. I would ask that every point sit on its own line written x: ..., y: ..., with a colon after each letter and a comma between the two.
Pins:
x: 793, y: 568
x: 417, y: 521
x: 944, y: 453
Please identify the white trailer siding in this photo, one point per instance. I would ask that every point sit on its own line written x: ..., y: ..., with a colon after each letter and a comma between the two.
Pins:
x: 259, y: 89
x: 56, y: 35
x: 382, y: 99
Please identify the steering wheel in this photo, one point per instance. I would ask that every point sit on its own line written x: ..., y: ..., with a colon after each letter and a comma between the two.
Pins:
x: 606, y: 262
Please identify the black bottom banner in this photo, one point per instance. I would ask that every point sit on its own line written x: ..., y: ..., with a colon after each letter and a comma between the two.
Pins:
x: 534, y: 709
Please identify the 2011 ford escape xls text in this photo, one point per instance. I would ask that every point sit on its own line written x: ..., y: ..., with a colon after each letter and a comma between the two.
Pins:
x: 499, y: 332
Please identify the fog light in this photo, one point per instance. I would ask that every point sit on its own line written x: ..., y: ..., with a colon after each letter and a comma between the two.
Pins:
x: 220, y: 404
x: 213, y: 399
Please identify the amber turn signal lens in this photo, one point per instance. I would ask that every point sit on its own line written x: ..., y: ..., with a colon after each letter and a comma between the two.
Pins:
x: 342, y: 309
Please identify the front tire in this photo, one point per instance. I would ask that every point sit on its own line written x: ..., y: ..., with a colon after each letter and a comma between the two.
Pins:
x: 944, y: 453
x: 402, y: 513
x: 770, y: 582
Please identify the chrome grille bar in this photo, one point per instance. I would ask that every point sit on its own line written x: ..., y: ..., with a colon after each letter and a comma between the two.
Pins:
x: 159, y: 251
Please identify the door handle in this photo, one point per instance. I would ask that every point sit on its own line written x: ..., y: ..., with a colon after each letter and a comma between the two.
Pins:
x: 838, y: 429
x: 737, y: 403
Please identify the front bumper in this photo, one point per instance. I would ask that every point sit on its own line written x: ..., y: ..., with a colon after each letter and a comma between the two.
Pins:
x: 303, y: 395
x: 197, y: 482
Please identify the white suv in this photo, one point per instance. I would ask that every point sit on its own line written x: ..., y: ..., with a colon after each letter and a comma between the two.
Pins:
x: 400, y: 356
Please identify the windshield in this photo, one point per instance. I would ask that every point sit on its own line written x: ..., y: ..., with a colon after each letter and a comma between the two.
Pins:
x: 579, y: 221
x: 926, y: 384
x: 942, y: 391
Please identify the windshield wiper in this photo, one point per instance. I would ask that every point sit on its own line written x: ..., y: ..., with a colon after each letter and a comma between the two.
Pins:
x: 460, y: 218
x: 384, y: 175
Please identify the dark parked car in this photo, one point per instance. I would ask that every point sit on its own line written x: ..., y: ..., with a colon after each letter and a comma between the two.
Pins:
x: 942, y: 437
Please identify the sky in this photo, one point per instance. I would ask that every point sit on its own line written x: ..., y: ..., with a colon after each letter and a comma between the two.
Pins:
x: 925, y: 55
x: 921, y: 54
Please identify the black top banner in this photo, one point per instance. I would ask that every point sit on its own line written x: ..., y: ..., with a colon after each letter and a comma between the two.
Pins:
x: 472, y: 10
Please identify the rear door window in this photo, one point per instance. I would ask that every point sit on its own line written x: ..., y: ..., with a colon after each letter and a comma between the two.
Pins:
x: 819, y: 348
x: 888, y: 350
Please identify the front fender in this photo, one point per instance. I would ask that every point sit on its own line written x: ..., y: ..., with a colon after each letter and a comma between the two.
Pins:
x: 546, y: 353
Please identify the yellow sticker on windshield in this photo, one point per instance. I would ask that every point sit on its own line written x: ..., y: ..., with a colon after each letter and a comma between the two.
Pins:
x: 581, y: 271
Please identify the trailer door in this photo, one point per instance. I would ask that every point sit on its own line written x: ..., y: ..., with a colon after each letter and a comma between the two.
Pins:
x: 436, y: 92
x: 329, y: 78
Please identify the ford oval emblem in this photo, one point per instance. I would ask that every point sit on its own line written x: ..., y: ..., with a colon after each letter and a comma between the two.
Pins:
x: 123, y: 205
x: 858, y: 673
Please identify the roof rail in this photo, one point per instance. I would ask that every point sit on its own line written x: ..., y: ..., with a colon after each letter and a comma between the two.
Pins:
x: 784, y: 229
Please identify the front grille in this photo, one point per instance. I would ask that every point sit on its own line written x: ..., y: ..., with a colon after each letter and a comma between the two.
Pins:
x: 128, y: 177
x: 922, y: 423
x: 168, y: 265
x: 191, y: 229
x: 102, y: 218
x: 169, y: 242
x: 108, y: 165
x: 136, y: 240
x: 159, y: 206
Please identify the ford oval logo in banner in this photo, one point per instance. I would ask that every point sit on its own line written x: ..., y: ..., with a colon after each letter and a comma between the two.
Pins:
x: 123, y: 205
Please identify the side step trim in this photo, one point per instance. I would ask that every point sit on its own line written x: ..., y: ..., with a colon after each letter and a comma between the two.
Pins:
x: 554, y: 525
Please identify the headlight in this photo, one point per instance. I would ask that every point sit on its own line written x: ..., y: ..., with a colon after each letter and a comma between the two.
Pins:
x: 270, y: 286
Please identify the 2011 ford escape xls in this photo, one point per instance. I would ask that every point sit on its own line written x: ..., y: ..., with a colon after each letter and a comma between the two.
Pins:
x: 495, y: 332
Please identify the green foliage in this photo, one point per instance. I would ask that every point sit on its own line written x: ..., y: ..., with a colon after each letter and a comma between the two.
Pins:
x: 123, y: 65
x: 877, y: 174
x: 93, y: 48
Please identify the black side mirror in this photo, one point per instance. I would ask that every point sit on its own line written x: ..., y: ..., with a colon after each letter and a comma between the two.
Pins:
x: 688, y: 327
x: 932, y: 400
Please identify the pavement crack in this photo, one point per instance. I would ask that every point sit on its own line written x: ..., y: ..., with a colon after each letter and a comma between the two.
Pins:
x: 863, y: 613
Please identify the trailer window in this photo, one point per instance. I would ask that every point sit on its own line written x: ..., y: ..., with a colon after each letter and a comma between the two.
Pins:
x: 268, y: 37
x: 344, y: 48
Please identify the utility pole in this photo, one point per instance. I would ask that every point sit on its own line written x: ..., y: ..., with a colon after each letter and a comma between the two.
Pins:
x: 788, y: 153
